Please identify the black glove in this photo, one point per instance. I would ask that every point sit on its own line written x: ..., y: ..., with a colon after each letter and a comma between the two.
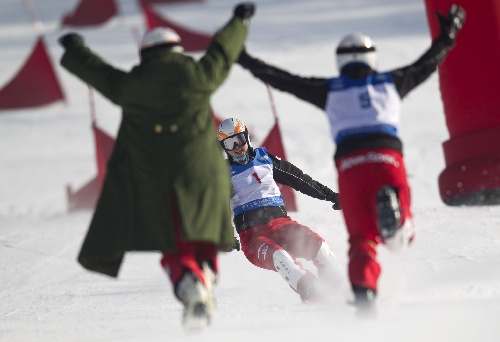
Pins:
x: 451, y: 24
x: 236, y: 245
x: 71, y: 40
x: 244, y: 59
x: 334, y: 198
x: 244, y: 10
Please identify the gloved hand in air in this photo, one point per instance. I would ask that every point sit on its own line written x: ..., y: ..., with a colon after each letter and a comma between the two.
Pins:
x: 244, y: 10
x: 71, y: 40
x: 451, y: 24
x: 236, y: 245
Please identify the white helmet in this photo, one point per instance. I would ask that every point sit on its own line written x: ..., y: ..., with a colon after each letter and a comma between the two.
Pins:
x: 356, y: 48
x: 232, y: 132
x: 161, y: 36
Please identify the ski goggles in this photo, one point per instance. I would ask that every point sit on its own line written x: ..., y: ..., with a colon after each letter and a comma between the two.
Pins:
x: 231, y: 142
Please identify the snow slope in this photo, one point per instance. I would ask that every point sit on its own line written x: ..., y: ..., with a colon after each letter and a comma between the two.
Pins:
x: 445, y: 288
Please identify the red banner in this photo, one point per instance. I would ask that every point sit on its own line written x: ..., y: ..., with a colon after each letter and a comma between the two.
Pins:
x: 471, y: 104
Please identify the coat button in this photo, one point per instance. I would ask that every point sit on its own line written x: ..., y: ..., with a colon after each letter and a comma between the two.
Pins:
x: 174, y: 128
x: 158, y: 128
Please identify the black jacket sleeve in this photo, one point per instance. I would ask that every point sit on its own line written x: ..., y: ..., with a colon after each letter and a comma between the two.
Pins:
x: 312, y: 90
x: 409, y: 77
x: 288, y: 174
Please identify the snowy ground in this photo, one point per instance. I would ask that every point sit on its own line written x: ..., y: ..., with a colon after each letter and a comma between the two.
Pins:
x: 446, y: 288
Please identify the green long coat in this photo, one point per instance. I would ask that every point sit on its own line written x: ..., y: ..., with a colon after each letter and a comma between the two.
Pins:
x: 166, y: 147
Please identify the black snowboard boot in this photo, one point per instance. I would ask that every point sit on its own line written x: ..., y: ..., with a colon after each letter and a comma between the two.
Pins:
x: 364, y: 301
x: 388, y: 212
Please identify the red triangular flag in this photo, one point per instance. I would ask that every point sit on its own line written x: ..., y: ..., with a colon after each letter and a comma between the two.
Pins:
x: 91, y: 13
x: 86, y: 196
x: 104, y: 144
x: 217, y: 119
x: 167, y: 1
x: 35, y: 84
x: 274, y: 144
x: 191, y: 41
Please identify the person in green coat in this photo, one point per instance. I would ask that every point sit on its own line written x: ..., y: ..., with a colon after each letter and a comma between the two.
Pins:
x: 167, y: 185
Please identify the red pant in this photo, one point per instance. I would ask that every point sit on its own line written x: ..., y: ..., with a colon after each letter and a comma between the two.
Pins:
x: 260, y: 242
x: 360, y: 176
x: 189, y: 255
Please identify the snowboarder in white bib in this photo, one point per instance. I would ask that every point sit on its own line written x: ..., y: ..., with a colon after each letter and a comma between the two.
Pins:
x: 269, y: 238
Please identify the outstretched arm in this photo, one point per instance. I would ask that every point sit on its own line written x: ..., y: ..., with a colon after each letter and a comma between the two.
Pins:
x: 409, y: 77
x: 288, y: 174
x: 312, y: 90
x: 214, y: 66
x: 89, y: 67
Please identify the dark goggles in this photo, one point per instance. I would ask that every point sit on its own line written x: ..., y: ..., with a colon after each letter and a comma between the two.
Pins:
x: 231, y: 142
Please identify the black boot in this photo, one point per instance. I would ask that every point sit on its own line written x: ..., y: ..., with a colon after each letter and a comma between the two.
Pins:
x: 364, y: 300
x: 388, y: 212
